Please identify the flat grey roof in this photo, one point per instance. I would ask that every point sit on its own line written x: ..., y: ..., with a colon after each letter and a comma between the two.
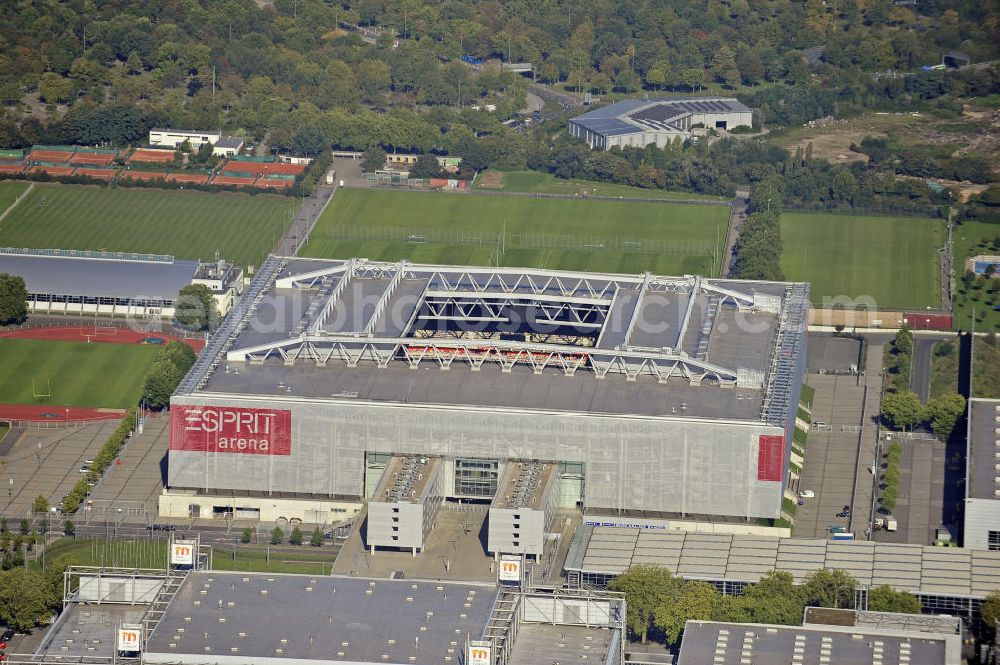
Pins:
x: 685, y: 346
x: 263, y: 617
x: 60, y: 275
x: 922, y: 569
x: 490, y: 387
x: 733, y: 643
x: 984, y: 449
x: 637, y: 115
x: 88, y: 631
x: 542, y: 644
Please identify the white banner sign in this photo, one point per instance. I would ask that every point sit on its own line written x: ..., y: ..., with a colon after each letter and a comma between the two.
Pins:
x: 182, y: 552
x: 510, y: 570
x: 479, y: 654
x: 130, y: 638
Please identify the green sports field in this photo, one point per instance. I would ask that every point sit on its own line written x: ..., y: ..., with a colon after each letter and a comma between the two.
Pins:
x: 891, y: 260
x: 546, y: 183
x: 77, y: 373
x: 186, y: 224
x: 971, y: 239
x: 463, y: 229
x: 10, y: 190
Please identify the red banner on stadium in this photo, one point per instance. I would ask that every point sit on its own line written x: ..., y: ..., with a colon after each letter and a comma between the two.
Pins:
x: 229, y: 429
x: 770, y: 457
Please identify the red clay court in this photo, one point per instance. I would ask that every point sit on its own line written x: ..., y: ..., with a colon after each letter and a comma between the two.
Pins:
x: 233, y: 180
x: 264, y: 168
x: 193, y: 178
x: 52, y: 156
x: 92, y: 159
x: 144, y: 175
x: 53, y: 170
x: 151, y: 156
x: 99, y: 174
x: 8, y: 167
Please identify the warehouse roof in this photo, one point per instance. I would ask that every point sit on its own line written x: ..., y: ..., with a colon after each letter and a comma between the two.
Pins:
x: 661, y: 113
x: 217, y: 616
x: 984, y: 449
x: 735, y: 643
x: 98, y: 274
x: 712, y: 556
x: 356, y: 329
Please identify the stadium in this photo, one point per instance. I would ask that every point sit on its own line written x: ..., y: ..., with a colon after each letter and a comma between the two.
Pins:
x: 640, y: 122
x: 668, y: 397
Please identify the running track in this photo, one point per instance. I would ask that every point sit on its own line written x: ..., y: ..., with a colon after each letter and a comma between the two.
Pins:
x: 55, y: 413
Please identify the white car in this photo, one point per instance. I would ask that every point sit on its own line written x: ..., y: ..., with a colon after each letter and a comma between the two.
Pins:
x: 807, y: 494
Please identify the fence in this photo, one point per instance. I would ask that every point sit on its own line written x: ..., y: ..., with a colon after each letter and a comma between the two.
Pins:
x: 514, y: 241
x: 619, y: 199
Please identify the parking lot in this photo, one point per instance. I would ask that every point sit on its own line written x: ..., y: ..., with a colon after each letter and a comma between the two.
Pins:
x: 839, y: 454
x: 136, y: 483
x: 46, y: 462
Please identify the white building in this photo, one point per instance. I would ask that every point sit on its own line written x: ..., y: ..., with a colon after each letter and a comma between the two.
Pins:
x: 640, y: 122
x: 172, y: 138
x: 982, y: 486
x: 227, y: 146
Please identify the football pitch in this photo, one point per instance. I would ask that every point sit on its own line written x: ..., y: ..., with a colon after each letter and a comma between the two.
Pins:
x: 185, y: 224
x: 10, y: 190
x: 464, y: 229
x: 892, y: 261
x: 535, y: 181
x: 94, y: 375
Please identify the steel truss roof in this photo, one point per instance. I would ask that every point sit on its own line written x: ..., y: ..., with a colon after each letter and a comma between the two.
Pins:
x: 578, y: 300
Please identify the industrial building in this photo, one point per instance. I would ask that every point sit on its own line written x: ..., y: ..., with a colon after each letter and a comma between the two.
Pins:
x: 524, y: 508
x: 61, y: 281
x: 982, y: 484
x: 946, y: 580
x: 209, y: 617
x: 845, y: 637
x: 670, y: 395
x: 637, y: 123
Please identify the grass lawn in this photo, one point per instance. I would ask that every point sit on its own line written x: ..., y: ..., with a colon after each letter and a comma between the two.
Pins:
x: 153, y: 554
x: 944, y: 368
x: 80, y: 374
x: 186, y: 224
x: 972, y: 238
x: 10, y: 190
x: 890, y: 262
x: 546, y: 183
x: 458, y: 229
x: 986, y: 360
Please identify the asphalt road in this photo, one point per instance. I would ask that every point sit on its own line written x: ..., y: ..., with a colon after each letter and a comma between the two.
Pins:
x: 923, y: 353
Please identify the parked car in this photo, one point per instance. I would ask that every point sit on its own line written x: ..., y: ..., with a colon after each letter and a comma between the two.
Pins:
x: 844, y: 513
x: 84, y: 469
x: 835, y: 528
x: 807, y: 494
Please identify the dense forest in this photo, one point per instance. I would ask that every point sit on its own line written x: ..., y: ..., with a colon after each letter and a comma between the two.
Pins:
x: 305, y: 74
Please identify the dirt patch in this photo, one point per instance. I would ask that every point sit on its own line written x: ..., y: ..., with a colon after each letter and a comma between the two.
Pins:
x: 491, y: 180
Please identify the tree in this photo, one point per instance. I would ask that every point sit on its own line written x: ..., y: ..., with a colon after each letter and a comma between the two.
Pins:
x: 247, y: 535
x: 53, y: 88
x: 724, y: 66
x: 943, y: 414
x: 69, y: 529
x: 886, y: 599
x: 830, y: 588
x: 991, y: 609
x: 277, y: 536
x: 316, y: 539
x: 775, y: 599
x: 426, y: 166
x: 195, y: 307
x: 695, y: 600
x: 160, y: 383
x: 25, y: 598
x: 13, y: 299
x: 902, y: 410
x: 646, y: 587
x: 309, y: 140
x: 25, y: 526
x: 295, y: 538
x: 40, y: 504
x: 373, y: 160
x: 902, y: 344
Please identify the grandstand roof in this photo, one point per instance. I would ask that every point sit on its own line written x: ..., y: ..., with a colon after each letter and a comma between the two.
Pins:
x: 658, y: 114
x: 98, y: 274
x: 984, y: 449
x: 682, y: 346
x: 715, y: 556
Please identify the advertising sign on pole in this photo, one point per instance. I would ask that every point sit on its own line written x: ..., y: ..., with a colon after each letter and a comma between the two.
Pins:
x: 480, y: 653
x: 182, y: 552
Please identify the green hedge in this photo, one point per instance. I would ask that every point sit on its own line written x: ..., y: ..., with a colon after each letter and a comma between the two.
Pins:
x: 105, y: 458
x: 807, y: 395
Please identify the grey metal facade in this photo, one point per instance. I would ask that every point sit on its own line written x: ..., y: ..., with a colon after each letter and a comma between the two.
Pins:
x: 630, y: 462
